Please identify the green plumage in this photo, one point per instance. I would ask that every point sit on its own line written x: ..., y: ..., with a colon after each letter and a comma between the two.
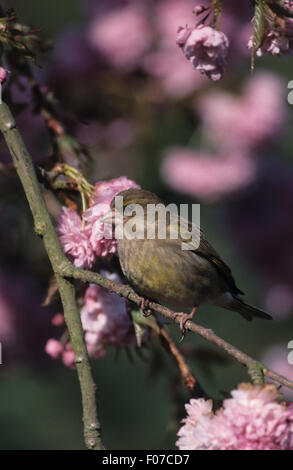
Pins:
x: 160, y: 270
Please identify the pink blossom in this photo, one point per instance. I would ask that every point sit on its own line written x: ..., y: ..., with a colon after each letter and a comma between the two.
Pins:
x: 101, y: 236
x: 3, y: 75
x: 251, y: 420
x: 166, y: 62
x: 278, y: 40
x: 273, y: 44
x: 168, y: 14
x: 246, y: 121
x: 205, y: 48
x: 109, y: 189
x: 105, y: 319
x: 75, y: 239
x: 54, y: 348
x: 57, y: 349
x: 7, y: 327
x: 68, y: 356
x: 122, y: 35
x: 206, y: 176
x: 58, y: 319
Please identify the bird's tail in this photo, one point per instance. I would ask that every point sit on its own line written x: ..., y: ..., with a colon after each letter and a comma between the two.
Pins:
x: 246, y: 310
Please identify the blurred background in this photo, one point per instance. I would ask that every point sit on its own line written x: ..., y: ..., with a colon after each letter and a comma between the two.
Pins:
x: 146, y: 114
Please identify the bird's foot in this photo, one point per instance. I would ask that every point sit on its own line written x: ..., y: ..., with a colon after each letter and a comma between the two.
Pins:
x: 184, y: 317
x: 144, y: 307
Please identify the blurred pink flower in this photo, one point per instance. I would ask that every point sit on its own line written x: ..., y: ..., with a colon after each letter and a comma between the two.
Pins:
x: 165, y: 62
x: 54, y: 348
x: 174, y: 73
x: 246, y: 121
x: 168, y: 14
x: 274, y: 44
x: 206, y: 48
x: 276, y: 358
x: 278, y: 40
x: 206, y: 176
x: 8, y: 332
x: 74, y: 239
x: 68, y: 356
x: 122, y: 35
x: 105, y: 319
x: 251, y: 420
x: 100, y: 235
x: 3, y: 74
x: 58, y: 319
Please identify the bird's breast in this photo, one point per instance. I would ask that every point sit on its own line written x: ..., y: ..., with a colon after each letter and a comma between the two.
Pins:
x: 161, y: 271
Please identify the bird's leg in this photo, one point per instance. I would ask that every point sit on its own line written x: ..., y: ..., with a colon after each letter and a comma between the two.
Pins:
x: 144, y: 307
x: 184, y: 317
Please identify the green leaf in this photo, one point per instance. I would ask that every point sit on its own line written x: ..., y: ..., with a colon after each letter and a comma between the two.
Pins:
x: 259, y: 29
x: 141, y: 322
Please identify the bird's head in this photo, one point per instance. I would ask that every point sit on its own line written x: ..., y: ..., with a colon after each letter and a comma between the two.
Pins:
x: 126, y: 200
x: 129, y: 205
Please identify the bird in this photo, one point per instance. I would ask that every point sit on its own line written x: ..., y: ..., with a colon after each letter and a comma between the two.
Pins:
x: 160, y: 270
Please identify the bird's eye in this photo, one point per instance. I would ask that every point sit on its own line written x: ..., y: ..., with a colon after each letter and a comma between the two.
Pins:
x: 129, y: 209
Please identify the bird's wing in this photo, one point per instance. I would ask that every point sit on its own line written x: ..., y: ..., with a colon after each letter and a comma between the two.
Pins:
x: 199, y: 244
x: 207, y: 251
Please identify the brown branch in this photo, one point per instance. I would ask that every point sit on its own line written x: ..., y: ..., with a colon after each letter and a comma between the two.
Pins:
x: 185, y: 372
x: 254, y: 367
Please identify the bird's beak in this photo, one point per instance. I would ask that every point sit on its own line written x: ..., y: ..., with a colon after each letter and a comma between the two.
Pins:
x: 112, y: 217
x: 109, y: 218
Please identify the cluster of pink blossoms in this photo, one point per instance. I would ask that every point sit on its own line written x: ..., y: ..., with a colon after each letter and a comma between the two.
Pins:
x: 278, y: 40
x: 105, y: 321
x: 251, y: 420
x: 104, y: 315
x: 205, y: 48
x: 3, y: 74
x: 84, y: 244
x: 256, y: 117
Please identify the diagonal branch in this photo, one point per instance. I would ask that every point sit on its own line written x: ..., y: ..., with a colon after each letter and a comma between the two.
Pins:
x: 44, y: 228
x: 255, y: 368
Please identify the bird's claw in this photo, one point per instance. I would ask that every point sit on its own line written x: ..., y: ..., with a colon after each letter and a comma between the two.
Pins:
x: 144, y: 307
x: 184, y: 317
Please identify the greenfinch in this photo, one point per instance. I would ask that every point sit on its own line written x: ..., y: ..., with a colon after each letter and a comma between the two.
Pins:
x: 182, y: 279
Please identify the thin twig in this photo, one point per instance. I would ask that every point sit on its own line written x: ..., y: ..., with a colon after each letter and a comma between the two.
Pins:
x: 44, y: 228
x: 185, y: 371
x: 126, y: 291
